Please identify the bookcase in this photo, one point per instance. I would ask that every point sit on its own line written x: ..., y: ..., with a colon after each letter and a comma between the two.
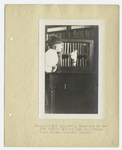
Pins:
x: 74, y: 88
x: 84, y: 56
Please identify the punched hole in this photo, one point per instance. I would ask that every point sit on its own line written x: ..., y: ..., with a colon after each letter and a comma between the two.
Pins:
x: 11, y: 39
x: 10, y: 114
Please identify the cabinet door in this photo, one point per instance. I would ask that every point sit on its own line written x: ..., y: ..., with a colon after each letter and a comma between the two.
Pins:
x: 84, y: 56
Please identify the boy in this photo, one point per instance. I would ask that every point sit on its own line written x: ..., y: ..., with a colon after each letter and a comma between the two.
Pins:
x: 51, y: 57
x: 51, y: 61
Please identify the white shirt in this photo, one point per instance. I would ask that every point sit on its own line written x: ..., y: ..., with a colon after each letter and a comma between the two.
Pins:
x: 51, y: 59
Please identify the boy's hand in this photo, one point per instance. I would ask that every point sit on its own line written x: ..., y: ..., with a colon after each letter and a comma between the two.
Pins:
x: 54, y: 68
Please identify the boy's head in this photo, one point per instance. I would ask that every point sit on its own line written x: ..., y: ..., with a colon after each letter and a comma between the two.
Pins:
x: 55, y: 43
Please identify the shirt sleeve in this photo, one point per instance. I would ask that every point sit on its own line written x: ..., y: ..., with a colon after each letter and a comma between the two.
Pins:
x: 48, y: 68
x: 51, y: 59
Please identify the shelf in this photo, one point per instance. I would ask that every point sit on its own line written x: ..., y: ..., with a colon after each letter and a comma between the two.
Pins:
x: 78, y: 55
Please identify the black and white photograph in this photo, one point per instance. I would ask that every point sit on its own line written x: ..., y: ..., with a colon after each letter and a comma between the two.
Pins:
x: 69, y: 68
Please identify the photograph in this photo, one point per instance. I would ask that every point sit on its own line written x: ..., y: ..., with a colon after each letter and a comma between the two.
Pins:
x: 70, y: 68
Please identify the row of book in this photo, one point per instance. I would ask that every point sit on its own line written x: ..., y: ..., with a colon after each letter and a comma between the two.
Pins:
x: 81, y: 62
x: 81, y: 33
x: 86, y: 33
x: 82, y: 48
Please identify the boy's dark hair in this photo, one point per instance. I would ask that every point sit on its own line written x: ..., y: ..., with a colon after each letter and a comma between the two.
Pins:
x: 53, y: 39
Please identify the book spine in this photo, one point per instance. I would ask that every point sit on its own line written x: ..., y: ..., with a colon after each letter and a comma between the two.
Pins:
x: 86, y: 33
x: 74, y: 33
x: 73, y: 47
x: 88, y: 50
x: 90, y: 33
x: 85, y: 48
x: 78, y: 33
x: 68, y: 62
x: 78, y: 48
x: 70, y: 46
x: 78, y: 62
x: 82, y: 61
x: 69, y: 34
x: 63, y: 62
x: 82, y: 34
x: 82, y: 46
x: 67, y: 48
x: 64, y: 34
x: 85, y: 62
x: 63, y: 48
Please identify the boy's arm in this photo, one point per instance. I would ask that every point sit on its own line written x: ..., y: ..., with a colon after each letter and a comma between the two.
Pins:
x: 51, y: 68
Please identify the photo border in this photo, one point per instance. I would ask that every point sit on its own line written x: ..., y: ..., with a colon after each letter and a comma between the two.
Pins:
x: 101, y: 47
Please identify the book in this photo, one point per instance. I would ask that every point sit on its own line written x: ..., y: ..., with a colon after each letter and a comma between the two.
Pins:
x: 82, y: 48
x: 71, y: 33
x: 64, y: 33
x: 86, y: 34
x: 73, y: 46
x: 78, y: 62
x: 90, y: 33
x: 70, y: 47
x: 68, y: 33
x: 82, y: 61
x: 78, y: 48
x: 82, y: 34
x: 67, y: 48
x: 63, y: 48
x: 74, y: 33
x: 65, y: 62
x: 68, y: 62
x: 85, y: 62
x: 85, y: 48
x: 87, y: 51
x: 78, y: 33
